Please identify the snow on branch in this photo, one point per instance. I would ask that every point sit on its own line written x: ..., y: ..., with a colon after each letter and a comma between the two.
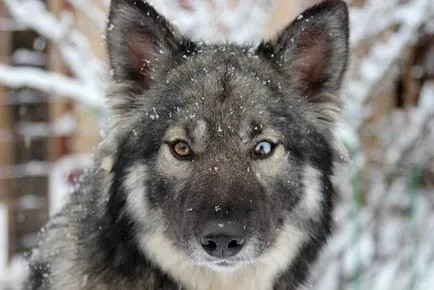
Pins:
x: 374, y: 67
x: 240, y: 21
x: 33, y: 14
x: 51, y: 83
x: 72, y: 45
x: 415, y: 139
x: 217, y: 19
x: 91, y: 11
x: 363, y: 19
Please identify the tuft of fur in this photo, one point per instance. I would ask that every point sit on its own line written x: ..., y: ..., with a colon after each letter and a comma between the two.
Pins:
x: 136, y: 220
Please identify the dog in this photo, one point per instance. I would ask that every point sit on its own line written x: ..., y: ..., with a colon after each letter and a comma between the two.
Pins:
x: 216, y: 171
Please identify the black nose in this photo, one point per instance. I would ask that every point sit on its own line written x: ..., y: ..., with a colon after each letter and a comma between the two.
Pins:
x: 222, y: 239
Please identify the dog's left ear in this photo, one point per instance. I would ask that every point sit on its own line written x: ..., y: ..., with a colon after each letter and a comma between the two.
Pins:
x: 312, y: 51
x: 139, y: 41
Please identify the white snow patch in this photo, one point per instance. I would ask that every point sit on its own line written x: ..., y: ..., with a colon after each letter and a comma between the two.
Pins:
x: 59, y: 187
x: 4, y: 228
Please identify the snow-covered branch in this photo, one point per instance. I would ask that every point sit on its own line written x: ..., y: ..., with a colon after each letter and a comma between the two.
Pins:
x: 91, y: 11
x: 33, y: 14
x: 51, y: 83
x: 367, y: 74
x: 412, y: 141
x: 368, y: 21
x: 240, y: 21
x: 87, y: 85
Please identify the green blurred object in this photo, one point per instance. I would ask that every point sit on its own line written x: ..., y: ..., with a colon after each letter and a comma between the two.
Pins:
x: 415, y: 182
x: 357, y: 194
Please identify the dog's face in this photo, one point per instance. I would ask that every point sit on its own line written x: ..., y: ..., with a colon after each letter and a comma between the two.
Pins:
x: 226, y: 152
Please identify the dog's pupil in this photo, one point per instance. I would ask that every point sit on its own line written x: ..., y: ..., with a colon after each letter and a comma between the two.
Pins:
x: 263, y: 148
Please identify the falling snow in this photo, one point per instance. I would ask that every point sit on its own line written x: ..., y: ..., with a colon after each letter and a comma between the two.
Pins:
x: 373, y: 246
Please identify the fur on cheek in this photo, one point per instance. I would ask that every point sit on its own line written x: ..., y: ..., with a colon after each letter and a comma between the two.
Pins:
x: 275, y: 165
x: 136, y: 201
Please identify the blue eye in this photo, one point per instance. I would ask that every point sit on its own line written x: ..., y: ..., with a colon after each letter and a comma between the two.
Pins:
x: 263, y: 149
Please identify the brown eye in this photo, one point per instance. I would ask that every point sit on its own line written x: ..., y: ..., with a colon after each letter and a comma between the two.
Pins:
x: 181, y: 149
x: 263, y: 149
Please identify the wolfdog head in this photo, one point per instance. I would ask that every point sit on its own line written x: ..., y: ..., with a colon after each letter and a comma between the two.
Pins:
x: 224, y: 153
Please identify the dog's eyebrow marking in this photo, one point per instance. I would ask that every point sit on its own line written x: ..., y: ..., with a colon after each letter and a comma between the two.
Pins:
x: 174, y: 133
x: 200, y: 131
x: 270, y: 134
x: 199, y: 134
x: 256, y: 129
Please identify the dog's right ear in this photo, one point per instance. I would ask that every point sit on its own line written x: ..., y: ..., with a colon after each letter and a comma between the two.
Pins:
x: 139, y: 40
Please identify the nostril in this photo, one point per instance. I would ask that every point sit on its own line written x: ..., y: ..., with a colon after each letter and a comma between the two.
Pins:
x: 222, y: 246
x: 236, y: 243
x: 209, y: 244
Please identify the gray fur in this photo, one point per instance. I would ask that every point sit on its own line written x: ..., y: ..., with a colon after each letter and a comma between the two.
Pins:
x: 135, y: 220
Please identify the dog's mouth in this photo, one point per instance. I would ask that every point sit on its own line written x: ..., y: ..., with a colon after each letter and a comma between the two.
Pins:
x: 221, y: 262
x: 224, y: 265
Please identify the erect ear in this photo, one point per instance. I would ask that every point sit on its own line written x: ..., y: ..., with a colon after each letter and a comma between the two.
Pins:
x: 139, y: 41
x: 312, y: 51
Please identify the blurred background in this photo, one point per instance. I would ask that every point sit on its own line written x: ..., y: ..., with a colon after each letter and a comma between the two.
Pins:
x: 53, y: 74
